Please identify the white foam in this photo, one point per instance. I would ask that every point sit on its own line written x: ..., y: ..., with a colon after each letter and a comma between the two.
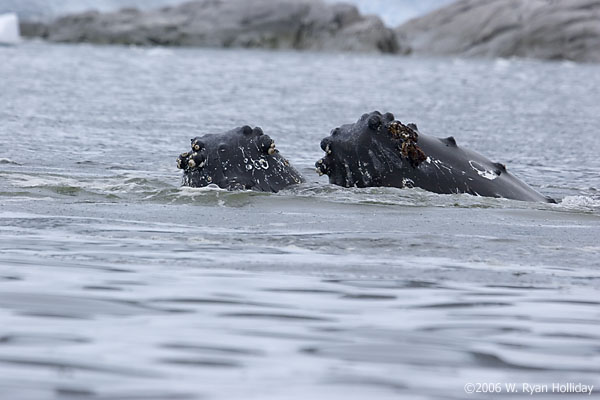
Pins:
x: 192, y: 191
x: 580, y: 202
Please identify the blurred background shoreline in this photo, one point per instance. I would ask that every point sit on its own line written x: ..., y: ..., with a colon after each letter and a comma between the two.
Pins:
x: 541, y: 29
x: 392, y: 12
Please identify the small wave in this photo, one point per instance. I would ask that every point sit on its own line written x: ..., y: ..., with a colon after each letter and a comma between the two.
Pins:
x: 159, y: 52
x: 205, y: 196
x: 162, y: 189
x: 128, y: 186
x: 414, y: 197
x: 116, y: 186
x: 8, y: 161
x: 501, y: 64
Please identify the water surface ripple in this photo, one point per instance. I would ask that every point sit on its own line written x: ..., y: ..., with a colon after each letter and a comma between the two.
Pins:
x: 116, y: 283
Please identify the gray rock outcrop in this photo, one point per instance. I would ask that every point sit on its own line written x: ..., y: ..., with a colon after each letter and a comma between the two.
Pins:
x: 547, y: 29
x: 287, y: 24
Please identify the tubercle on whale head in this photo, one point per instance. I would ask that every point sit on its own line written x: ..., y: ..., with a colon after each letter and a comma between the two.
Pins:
x: 322, y: 166
x: 352, y: 149
x: 197, y: 144
x: 192, y: 160
x: 267, y: 145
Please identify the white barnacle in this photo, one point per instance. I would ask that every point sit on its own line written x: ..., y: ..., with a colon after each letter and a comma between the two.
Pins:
x: 263, y: 163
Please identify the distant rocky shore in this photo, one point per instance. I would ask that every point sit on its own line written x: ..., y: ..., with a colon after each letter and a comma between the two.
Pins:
x: 547, y: 29
x: 274, y: 24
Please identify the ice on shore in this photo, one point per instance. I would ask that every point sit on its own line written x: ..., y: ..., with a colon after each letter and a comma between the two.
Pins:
x: 9, y: 29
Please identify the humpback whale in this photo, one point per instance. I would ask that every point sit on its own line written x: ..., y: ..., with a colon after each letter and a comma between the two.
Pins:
x: 242, y: 158
x: 379, y: 150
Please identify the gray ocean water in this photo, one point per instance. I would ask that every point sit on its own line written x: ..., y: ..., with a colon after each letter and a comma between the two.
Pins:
x: 116, y: 283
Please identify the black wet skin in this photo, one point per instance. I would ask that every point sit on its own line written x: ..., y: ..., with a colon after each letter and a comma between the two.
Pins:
x: 242, y: 158
x: 377, y: 150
